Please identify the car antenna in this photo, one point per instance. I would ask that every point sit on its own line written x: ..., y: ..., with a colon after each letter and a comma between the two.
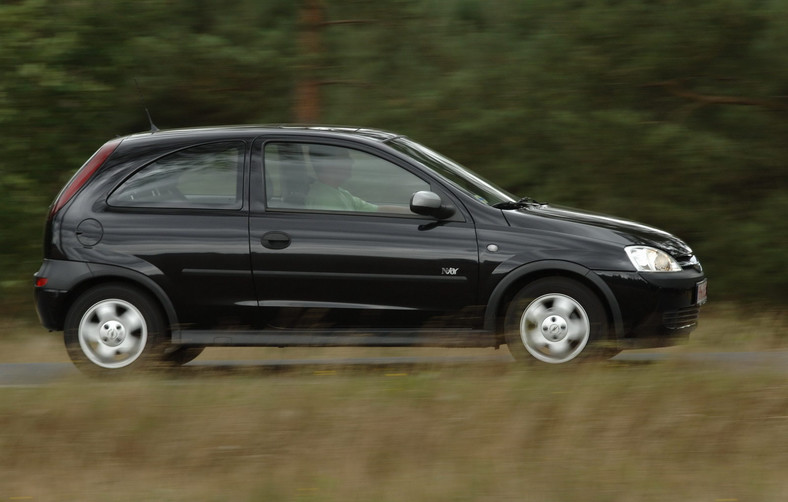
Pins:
x: 153, y: 127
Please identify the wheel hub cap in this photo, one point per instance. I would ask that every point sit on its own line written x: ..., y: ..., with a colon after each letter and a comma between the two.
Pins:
x: 554, y: 328
x: 112, y: 333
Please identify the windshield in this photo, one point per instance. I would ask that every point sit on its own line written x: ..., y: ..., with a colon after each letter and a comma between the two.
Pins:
x: 464, y: 179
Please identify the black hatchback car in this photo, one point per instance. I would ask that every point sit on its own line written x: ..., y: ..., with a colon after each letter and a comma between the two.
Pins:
x: 164, y: 243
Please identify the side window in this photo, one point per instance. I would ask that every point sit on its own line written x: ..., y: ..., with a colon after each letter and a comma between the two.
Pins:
x: 332, y: 178
x: 202, y: 177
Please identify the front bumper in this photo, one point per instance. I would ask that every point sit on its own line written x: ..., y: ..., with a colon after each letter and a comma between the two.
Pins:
x: 657, y: 309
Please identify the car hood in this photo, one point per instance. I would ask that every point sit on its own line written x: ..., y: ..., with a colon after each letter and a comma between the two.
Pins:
x: 598, y: 226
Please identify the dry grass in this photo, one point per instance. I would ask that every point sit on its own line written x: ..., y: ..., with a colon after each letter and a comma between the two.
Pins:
x: 597, y: 432
x: 475, y: 432
x: 728, y: 326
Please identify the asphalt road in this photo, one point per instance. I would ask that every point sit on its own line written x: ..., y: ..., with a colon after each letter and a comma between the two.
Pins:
x: 36, y: 374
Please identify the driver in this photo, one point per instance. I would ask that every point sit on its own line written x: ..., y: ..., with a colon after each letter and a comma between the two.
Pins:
x: 333, y: 166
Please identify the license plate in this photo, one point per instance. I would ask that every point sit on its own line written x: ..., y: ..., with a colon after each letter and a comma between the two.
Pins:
x: 700, y: 292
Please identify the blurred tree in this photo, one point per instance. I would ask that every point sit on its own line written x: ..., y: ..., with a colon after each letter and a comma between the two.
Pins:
x: 664, y: 111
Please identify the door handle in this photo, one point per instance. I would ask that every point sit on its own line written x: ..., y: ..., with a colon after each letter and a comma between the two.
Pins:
x: 275, y: 240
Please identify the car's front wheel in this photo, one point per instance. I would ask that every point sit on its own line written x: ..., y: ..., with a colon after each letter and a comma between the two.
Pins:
x: 112, y: 328
x: 553, y: 320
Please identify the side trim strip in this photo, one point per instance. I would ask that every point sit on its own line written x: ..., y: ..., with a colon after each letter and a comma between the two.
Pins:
x: 359, y: 276
x: 339, y: 338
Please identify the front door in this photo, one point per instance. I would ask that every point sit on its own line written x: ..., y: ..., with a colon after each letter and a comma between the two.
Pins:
x: 334, y: 245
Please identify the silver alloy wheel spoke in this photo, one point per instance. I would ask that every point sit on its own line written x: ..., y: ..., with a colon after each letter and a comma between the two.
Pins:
x: 131, y: 320
x: 560, y: 348
x: 128, y: 345
x: 536, y: 340
x: 105, y: 352
x: 105, y: 312
x: 536, y: 315
x: 564, y: 306
x: 90, y: 333
x: 577, y: 329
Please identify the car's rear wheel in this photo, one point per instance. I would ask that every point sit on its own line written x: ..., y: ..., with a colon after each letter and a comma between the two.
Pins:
x: 554, y: 320
x: 114, y: 327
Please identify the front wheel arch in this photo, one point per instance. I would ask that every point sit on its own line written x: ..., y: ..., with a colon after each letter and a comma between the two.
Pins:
x: 518, y: 278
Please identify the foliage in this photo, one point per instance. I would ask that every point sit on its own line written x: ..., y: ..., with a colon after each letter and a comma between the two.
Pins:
x: 668, y: 112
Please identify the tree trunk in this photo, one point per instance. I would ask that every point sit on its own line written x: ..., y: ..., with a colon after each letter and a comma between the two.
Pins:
x: 310, y: 47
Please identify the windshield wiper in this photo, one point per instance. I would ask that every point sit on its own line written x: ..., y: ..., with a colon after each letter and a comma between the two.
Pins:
x: 511, y: 204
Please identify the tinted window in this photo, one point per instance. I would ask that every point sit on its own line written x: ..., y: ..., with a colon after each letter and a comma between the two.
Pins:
x: 332, y: 178
x: 205, y: 176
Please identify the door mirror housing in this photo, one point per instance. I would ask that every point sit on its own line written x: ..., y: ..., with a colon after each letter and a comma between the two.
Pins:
x: 428, y: 203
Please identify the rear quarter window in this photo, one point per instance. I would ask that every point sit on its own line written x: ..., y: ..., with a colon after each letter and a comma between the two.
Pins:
x: 201, y: 177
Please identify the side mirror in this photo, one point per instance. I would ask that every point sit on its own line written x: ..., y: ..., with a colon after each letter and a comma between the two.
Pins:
x: 430, y: 204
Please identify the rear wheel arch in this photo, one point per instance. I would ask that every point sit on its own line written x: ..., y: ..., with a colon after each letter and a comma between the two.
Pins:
x: 104, y: 274
x: 150, y: 347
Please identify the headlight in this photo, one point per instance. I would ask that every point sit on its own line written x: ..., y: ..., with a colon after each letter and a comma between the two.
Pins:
x: 646, y: 259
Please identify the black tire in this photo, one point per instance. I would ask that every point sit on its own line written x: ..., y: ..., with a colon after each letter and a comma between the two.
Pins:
x: 178, y: 356
x: 554, y: 320
x: 114, y: 328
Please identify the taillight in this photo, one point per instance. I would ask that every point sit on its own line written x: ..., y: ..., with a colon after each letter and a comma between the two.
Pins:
x: 41, y: 282
x: 83, y: 175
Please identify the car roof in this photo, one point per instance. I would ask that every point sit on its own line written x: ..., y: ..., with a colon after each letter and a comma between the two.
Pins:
x: 249, y: 131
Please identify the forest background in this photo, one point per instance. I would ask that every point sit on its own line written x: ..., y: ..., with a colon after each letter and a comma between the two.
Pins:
x: 668, y: 112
